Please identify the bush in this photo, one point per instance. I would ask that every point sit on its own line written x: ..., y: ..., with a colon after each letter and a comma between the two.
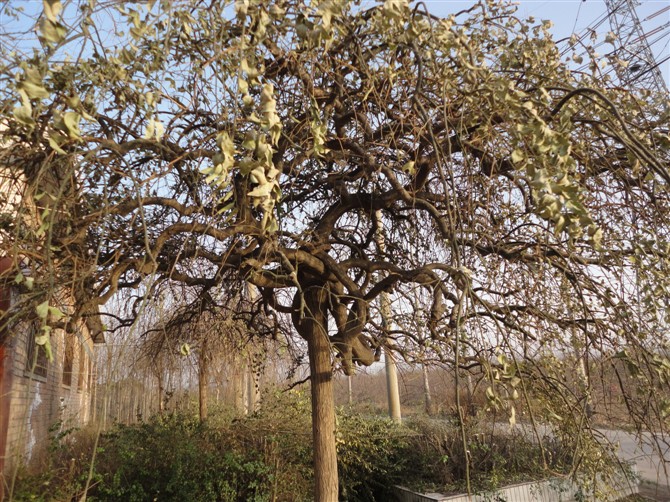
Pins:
x: 371, y: 457
x: 268, y: 456
x: 497, y: 457
x: 176, y: 458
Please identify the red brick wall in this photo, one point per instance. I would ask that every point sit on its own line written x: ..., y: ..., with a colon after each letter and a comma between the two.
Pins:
x: 5, y: 363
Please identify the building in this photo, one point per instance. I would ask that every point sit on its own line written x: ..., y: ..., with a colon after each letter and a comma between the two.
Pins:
x: 38, y: 397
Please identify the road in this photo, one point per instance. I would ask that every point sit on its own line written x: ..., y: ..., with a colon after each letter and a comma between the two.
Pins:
x: 653, y: 462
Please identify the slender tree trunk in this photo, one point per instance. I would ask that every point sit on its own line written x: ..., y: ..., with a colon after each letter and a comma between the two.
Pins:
x: 94, y: 392
x: 253, y: 389
x: 161, y: 403
x: 246, y: 398
x: 239, y: 389
x: 313, y: 328
x: 118, y: 399
x: 393, y: 393
x: 351, y: 391
x: 426, y: 391
x: 203, y: 380
x: 253, y: 382
x: 147, y: 391
x: 135, y: 411
x: 104, y: 409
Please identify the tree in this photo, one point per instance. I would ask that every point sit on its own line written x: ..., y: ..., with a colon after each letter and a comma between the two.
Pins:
x: 213, y: 328
x: 199, y: 143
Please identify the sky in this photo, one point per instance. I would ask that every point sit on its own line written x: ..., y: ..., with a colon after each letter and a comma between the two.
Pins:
x: 568, y: 16
x: 574, y: 16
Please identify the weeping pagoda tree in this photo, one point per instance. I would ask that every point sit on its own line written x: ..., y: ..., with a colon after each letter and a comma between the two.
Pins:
x: 201, y: 142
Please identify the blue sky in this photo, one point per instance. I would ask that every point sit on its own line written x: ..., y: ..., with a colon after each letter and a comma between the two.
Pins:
x: 574, y: 16
x: 568, y: 16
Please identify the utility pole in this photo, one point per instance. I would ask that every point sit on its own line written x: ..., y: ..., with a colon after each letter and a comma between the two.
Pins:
x: 392, y: 390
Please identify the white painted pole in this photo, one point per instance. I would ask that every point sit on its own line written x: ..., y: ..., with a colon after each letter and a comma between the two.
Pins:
x: 393, y: 393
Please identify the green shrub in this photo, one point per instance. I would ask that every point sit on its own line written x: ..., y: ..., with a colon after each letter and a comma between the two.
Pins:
x: 436, y: 458
x: 371, y: 457
x: 268, y: 456
x: 176, y: 458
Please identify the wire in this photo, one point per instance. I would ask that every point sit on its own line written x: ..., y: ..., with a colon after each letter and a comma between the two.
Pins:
x: 574, y: 26
x: 580, y: 46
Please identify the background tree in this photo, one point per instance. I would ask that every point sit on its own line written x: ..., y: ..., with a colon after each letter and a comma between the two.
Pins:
x: 228, y: 328
x: 198, y: 144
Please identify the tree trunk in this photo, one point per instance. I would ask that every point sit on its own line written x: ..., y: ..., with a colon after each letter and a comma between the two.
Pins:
x: 254, y: 380
x: 93, y: 387
x: 253, y: 389
x: 426, y: 391
x: 313, y: 328
x: 323, y: 419
x: 137, y: 405
x: 392, y: 390
x: 161, y: 403
x: 239, y: 386
x: 203, y: 377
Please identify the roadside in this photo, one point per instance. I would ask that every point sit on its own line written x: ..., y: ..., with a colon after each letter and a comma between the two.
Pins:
x: 654, y: 491
x: 651, y: 461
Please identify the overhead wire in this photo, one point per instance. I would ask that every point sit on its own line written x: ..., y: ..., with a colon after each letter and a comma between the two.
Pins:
x: 579, y: 9
x: 581, y: 39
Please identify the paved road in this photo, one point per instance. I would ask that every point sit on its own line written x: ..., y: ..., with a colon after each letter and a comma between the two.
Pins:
x: 652, y: 461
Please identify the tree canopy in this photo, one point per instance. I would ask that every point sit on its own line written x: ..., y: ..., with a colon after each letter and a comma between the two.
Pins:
x: 524, y: 206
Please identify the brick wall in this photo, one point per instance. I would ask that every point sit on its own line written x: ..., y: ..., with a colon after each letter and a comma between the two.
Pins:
x: 29, y: 404
x: 37, y: 402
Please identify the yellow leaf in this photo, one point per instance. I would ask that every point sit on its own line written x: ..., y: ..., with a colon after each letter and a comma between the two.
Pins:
x: 52, y: 9
x: 52, y: 32
x: 23, y: 114
x: 56, y: 313
x: 517, y: 156
x: 42, y: 310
